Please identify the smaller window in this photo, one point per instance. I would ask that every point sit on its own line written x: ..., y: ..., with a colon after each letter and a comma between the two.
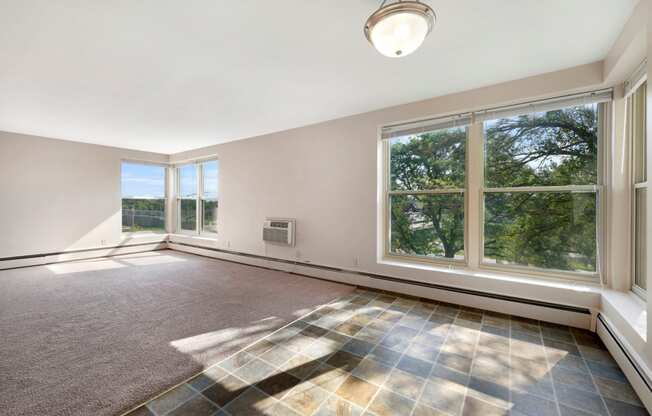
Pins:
x: 425, y: 193
x: 209, y: 199
x: 187, y: 202
x: 197, y: 197
x: 636, y: 129
x: 143, y: 198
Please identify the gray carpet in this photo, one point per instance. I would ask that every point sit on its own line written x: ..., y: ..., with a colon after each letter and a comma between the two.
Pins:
x: 100, y: 336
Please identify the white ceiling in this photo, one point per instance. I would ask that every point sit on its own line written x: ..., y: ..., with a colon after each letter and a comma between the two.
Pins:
x: 169, y: 75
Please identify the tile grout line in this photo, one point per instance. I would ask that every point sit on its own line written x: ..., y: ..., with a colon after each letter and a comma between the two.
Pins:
x: 597, y: 389
x: 279, y: 401
x: 423, y: 388
x: 333, y: 393
x: 549, y: 369
x: 144, y: 404
x: 473, y: 362
x: 402, y: 354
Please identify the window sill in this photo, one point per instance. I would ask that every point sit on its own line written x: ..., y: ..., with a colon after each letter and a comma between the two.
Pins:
x: 561, y: 291
x: 628, y: 312
x: 194, y: 237
x: 143, y: 237
x: 498, y: 275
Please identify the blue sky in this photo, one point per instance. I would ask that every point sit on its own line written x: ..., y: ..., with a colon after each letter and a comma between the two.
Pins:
x: 148, y: 181
x: 143, y: 181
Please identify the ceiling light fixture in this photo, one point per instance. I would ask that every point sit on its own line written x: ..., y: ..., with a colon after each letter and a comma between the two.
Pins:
x: 398, y: 29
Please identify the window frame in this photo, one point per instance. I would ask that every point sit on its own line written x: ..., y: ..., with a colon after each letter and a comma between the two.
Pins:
x: 166, y: 197
x: 475, y: 190
x: 635, y: 186
x: 387, y: 195
x: 598, y: 189
x: 199, y: 198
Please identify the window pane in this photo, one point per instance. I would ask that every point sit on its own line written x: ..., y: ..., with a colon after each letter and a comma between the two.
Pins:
x: 211, y: 172
x: 431, y: 160
x: 548, y: 148
x: 143, y: 215
x: 640, y: 264
x: 427, y: 225
x: 637, y: 118
x: 143, y: 197
x: 209, y: 220
x: 188, y: 181
x: 188, y: 214
x: 551, y: 230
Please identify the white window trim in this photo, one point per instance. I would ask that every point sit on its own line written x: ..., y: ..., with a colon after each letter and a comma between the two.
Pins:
x: 387, y: 193
x: 631, y: 87
x: 474, y: 191
x: 199, y: 198
x: 166, y: 197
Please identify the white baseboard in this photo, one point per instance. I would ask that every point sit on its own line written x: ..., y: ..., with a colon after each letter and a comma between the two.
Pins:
x: 51, y: 258
x: 488, y: 301
x: 634, y: 367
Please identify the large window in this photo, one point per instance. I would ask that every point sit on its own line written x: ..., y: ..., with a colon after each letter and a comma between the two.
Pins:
x: 541, y: 189
x: 143, y: 197
x: 426, y: 192
x: 197, y: 197
x: 515, y: 187
x: 636, y: 131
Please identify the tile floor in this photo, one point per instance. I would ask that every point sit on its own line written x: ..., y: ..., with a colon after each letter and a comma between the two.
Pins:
x: 373, y: 353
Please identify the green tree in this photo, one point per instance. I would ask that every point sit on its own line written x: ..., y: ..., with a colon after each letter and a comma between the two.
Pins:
x: 543, y: 229
x: 428, y: 225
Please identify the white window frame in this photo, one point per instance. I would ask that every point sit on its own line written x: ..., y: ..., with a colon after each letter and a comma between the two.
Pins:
x: 634, y: 85
x: 199, y: 198
x: 165, y: 198
x: 430, y: 125
x: 475, y: 190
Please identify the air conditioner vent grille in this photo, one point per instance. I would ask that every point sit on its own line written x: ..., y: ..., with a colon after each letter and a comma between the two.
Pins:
x: 279, y: 231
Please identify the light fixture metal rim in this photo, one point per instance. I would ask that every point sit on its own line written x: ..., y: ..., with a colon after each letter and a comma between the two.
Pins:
x: 400, y: 7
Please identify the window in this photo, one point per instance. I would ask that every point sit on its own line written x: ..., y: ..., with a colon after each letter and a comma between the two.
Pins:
x: 636, y: 131
x: 541, y: 189
x: 516, y: 187
x: 210, y: 173
x: 426, y: 191
x: 143, y: 197
x: 188, y: 198
x: 197, y: 197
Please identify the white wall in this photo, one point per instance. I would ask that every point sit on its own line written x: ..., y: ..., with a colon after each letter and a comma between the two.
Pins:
x: 326, y: 176
x: 59, y: 195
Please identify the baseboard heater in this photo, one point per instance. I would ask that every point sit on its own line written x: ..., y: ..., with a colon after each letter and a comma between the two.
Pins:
x: 633, y: 361
x: 533, y: 302
x: 78, y: 251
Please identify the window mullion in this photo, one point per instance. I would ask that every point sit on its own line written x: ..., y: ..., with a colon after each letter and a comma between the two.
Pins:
x: 200, y: 186
x: 474, y: 180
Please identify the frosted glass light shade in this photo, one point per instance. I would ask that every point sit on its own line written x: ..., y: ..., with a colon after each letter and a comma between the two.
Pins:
x: 400, y: 28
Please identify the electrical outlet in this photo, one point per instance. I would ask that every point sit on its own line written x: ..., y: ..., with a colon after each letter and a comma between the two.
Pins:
x: 356, y: 261
x: 298, y: 255
x: 102, y: 242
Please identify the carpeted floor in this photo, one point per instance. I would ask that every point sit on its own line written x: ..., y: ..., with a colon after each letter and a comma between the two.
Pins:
x: 98, y: 337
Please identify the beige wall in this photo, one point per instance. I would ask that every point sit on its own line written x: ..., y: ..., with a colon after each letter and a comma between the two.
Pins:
x: 59, y: 195
x: 325, y: 176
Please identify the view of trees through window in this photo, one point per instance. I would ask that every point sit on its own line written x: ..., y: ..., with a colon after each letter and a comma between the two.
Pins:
x: 210, y: 172
x: 197, y: 193
x: 540, y: 195
x: 143, y: 197
x: 187, y: 193
x: 427, y: 181
x: 535, y: 226
x: 637, y: 134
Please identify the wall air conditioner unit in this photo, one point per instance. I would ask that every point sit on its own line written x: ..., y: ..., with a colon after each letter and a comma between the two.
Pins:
x: 279, y: 231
